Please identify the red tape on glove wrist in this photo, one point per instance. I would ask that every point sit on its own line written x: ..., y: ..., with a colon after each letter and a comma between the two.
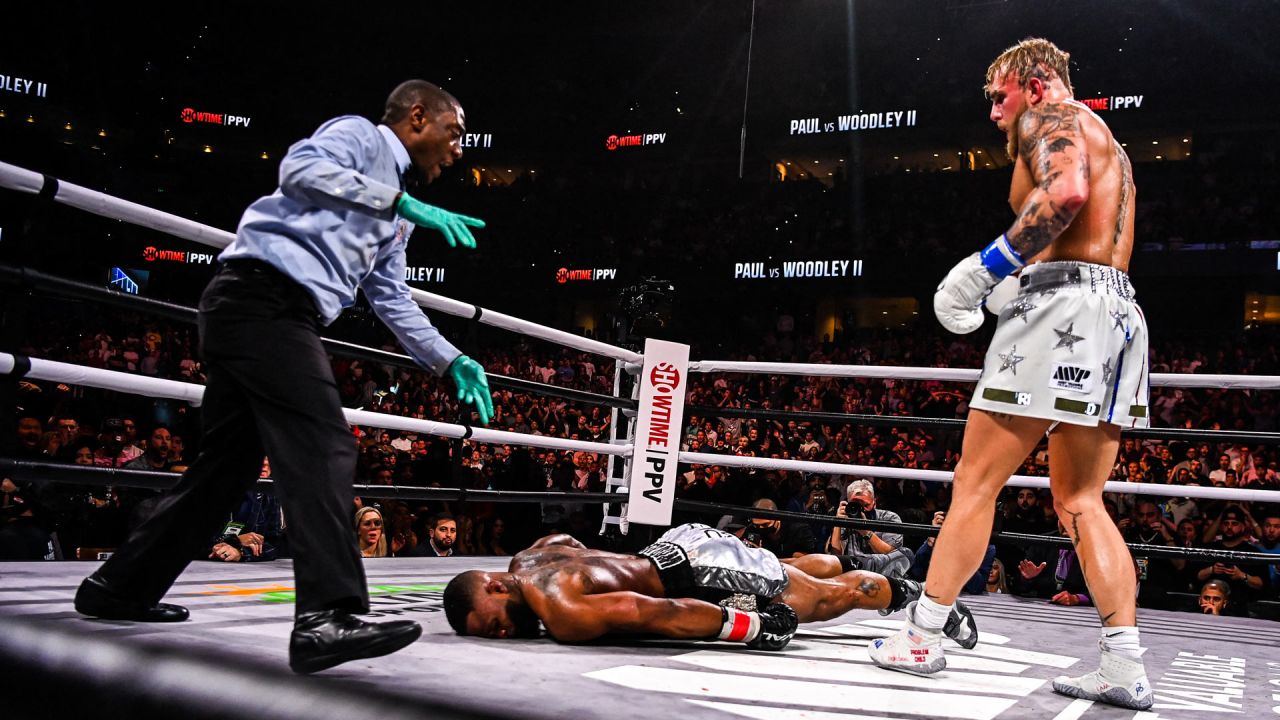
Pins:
x: 739, y: 626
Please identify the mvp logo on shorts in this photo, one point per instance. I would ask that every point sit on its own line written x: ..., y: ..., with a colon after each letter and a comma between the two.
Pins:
x: 1073, y: 378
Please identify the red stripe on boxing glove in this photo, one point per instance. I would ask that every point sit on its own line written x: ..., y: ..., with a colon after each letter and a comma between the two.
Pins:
x: 739, y: 626
x: 770, y: 629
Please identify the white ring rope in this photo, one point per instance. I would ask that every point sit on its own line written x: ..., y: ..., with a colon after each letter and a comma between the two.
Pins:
x: 23, y: 180
x: 1195, y: 491
x: 108, y: 206
x: 515, y: 324
x: 154, y: 387
x: 106, y: 379
x: 1186, y: 380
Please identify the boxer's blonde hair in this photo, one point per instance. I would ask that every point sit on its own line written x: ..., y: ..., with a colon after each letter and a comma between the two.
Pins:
x: 1033, y: 57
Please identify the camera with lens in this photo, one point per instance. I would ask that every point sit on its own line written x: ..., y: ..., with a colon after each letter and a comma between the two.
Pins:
x: 859, y: 510
x: 818, y: 502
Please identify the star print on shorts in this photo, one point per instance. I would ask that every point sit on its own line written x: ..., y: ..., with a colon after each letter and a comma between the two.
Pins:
x: 1010, y: 360
x: 1066, y: 339
x: 1107, y: 372
x: 1020, y: 308
x: 1119, y: 316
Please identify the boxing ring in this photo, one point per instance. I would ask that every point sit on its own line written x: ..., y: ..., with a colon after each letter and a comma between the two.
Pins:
x: 241, y: 616
x: 229, y: 659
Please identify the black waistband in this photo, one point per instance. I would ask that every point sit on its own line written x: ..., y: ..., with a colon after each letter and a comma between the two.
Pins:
x: 672, y: 563
x: 263, y: 273
x: 254, y: 266
x: 1050, y: 277
x: 262, y: 270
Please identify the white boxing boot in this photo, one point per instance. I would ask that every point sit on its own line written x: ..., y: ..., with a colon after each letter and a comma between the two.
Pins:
x: 912, y: 649
x: 1119, y: 681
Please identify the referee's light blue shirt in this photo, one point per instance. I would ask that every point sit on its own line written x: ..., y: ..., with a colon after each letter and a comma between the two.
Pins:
x: 332, y: 227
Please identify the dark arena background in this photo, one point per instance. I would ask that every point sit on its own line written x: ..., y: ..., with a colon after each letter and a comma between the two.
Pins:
x: 764, y: 181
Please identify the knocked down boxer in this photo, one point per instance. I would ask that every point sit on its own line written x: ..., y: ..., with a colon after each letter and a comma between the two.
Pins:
x: 690, y: 584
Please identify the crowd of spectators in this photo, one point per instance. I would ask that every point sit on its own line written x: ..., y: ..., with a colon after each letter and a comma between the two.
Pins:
x: 74, y: 425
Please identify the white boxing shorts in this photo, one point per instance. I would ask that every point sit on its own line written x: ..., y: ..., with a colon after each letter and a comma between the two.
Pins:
x: 1071, y: 347
x: 698, y: 561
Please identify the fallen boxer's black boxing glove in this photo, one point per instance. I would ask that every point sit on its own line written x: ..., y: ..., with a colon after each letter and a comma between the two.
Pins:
x: 778, y: 624
x: 769, y: 629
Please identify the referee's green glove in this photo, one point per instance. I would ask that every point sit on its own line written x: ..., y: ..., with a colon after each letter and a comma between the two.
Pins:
x: 452, y: 225
x: 473, y: 386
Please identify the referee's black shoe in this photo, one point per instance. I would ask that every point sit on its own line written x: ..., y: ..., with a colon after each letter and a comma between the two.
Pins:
x: 327, y: 638
x: 96, y: 598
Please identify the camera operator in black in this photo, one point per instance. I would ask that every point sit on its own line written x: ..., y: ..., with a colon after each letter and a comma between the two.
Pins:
x: 783, y: 539
x: 814, y: 498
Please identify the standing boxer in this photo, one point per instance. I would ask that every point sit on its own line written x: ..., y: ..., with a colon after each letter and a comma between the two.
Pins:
x: 1069, y: 357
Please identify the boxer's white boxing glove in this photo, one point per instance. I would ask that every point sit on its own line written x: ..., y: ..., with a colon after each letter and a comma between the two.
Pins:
x: 1002, y: 294
x: 958, y: 301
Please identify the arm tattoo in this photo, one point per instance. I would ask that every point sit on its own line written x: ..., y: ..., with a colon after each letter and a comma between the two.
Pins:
x: 1126, y: 189
x: 1050, y: 143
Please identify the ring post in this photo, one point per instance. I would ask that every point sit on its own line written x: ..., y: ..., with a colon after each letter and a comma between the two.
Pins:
x: 621, y: 428
x: 659, y: 425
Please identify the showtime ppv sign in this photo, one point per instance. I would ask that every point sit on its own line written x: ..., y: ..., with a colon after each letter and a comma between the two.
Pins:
x: 154, y: 254
x: 564, y: 275
x: 613, y: 142
x: 1114, y: 102
x: 191, y: 115
x: 652, y: 480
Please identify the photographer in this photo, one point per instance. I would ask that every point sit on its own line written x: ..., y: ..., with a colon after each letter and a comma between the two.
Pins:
x: 862, y: 504
x: 786, y: 540
x: 815, y: 498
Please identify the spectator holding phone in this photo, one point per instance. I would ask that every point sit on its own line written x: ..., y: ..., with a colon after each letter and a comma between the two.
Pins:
x: 976, y: 585
x: 1244, y: 579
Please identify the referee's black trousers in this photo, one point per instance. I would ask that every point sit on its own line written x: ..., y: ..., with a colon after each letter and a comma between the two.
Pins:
x: 270, y: 392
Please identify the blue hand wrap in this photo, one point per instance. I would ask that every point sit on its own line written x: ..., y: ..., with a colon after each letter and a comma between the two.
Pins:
x: 1000, y: 258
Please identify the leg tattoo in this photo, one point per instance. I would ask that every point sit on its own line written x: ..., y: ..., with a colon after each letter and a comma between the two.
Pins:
x: 869, y: 587
x: 1075, y: 542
